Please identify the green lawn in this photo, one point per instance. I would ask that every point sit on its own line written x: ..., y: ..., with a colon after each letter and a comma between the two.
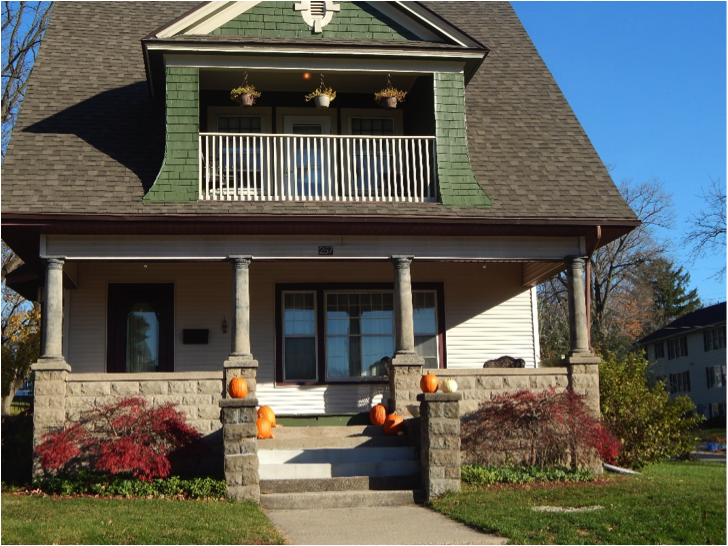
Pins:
x: 48, y: 520
x: 672, y: 503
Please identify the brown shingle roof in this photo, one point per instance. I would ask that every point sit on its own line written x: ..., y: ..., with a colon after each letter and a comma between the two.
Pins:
x: 89, y: 140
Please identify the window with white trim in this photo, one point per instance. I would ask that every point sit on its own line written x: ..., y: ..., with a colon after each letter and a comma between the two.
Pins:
x: 330, y: 334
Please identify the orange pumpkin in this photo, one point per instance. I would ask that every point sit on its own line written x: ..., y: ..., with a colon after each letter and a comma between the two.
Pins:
x: 264, y: 430
x: 266, y: 413
x: 393, y: 424
x: 428, y: 383
x: 238, y: 388
x: 377, y: 415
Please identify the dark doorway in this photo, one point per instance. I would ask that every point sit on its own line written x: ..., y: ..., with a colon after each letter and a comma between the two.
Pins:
x: 140, y: 328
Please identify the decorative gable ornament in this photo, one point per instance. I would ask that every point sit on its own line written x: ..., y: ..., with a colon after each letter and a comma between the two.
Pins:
x: 316, y: 14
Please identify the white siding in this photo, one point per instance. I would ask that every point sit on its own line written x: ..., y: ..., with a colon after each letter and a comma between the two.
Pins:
x: 487, y: 314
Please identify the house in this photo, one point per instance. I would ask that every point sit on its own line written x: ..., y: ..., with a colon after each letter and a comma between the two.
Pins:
x: 689, y: 354
x: 178, y: 239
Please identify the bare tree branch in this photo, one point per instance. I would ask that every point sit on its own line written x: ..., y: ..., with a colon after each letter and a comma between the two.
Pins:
x: 23, y: 26
x: 707, y: 233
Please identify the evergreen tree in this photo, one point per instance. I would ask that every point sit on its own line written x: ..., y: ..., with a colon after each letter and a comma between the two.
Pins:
x: 672, y: 299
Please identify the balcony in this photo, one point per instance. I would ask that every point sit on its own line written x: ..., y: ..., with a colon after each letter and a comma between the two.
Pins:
x: 294, y: 167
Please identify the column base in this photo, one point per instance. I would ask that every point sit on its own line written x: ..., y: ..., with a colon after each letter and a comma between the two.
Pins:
x: 244, y: 366
x: 51, y: 364
x: 405, y: 372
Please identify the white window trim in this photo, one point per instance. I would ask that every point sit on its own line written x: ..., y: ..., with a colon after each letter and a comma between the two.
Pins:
x: 285, y: 112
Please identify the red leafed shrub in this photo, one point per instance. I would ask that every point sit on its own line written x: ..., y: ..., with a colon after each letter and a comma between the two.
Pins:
x: 126, y: 437
x: 542, y: 428
x: 608, y: 446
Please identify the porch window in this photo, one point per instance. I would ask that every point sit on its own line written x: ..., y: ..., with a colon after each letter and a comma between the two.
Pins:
x: 345, y: 333
x: 299, y: 334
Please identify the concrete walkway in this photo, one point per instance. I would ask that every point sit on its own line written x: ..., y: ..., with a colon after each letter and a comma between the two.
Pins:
x: 385, y: 525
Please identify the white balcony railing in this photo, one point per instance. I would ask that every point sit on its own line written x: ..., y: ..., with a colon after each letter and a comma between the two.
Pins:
x: 259, y: 167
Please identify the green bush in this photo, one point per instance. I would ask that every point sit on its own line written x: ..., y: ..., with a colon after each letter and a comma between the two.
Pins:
x: 479, y: 475
x: 87, y: 483
x: 651, y: 426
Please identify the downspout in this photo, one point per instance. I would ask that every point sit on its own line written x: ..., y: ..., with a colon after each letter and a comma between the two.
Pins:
x: 588, y: 283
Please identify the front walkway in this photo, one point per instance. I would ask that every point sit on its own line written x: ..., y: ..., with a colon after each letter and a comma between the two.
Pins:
x: 385, y: 525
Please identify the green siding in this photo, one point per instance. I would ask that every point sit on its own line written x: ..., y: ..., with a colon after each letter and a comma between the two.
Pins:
x: 177, y: 181
x: 458, y: 186
x: 354, y: 20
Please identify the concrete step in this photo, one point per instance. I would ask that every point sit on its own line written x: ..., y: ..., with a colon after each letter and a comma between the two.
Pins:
x: 307, y: 442
x: 338, y: 499
x: 336, y: 455
x: 353, y: 483
x: 328, y: 432
x: 294, y: 471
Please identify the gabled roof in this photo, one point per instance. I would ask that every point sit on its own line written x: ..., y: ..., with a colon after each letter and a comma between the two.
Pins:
x: 707, y: 317
x: 92, y: 147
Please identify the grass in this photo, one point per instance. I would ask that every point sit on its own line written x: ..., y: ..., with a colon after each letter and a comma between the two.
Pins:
x: 672, y: 503
x: 86, y: 520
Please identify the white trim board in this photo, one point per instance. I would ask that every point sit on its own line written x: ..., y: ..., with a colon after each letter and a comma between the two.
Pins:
x: 269, y: 247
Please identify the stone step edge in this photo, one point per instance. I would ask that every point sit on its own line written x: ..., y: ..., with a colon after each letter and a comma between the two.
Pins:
x: 340, y: 499
x: 352, y: 483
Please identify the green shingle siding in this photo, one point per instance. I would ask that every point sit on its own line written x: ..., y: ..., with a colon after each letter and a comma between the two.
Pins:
x: 458, y: 186
x: 177, y: 181
x: 354, y: 20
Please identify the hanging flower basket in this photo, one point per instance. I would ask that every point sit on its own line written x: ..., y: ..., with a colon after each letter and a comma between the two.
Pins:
x: 389, y: 97
x: 246, y: 94
x: 322, y: 95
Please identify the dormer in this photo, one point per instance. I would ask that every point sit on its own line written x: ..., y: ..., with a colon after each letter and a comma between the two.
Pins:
x: 284, y: 148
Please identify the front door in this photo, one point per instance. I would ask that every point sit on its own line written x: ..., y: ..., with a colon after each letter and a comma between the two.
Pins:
x: 140, y: 336
x: 313, y: 154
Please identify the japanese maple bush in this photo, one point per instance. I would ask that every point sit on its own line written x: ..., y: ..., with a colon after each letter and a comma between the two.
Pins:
x: 129, y: 436
x: 544, y: 428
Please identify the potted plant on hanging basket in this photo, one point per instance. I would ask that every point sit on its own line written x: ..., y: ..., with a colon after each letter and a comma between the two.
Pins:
x: 389, y: 97
x: 244, y: 95
x: 322, y: 95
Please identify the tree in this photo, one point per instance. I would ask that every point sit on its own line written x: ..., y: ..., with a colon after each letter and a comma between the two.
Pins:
x: 651, y: 425
x: 621, y: 302
x: 672, y: 300
x: 20, y: 333
x: 23, y: 26
x: 707, y: 232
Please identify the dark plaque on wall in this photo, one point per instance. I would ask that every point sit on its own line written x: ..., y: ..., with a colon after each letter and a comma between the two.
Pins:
x: 195, y: 337
x: 326, y: 251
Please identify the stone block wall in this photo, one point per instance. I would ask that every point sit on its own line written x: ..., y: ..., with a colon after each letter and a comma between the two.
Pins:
x: 477, y: 386
x: 60, y: 397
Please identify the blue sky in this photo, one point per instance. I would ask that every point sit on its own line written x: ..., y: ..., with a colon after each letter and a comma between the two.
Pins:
x: 647, y: 81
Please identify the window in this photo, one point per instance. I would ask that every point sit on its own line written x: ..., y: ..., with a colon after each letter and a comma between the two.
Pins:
x: 240, y: 124
x: 717, y: 410
x: 680, y: 382
x: 714, y: 339
x: 716, y: 376
x: 659, y: 350
x: 372, y: 126
x: 344, y: 332
x: 677, y: 348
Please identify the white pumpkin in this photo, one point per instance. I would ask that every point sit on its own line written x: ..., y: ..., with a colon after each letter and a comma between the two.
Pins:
x: 449, y: 385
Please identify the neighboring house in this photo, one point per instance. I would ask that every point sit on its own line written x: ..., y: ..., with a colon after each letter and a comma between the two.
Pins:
x: 164, y: 225
x: 689, y: 353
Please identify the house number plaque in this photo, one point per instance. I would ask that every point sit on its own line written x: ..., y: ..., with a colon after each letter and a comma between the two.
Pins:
x: 326, y: 251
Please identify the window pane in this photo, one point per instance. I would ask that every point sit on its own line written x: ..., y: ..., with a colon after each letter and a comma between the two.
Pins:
x: 142, y: 339
x: 374, y: 348
x: 300, y: 358
x: 298, y: 315
x: 425, y: 321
